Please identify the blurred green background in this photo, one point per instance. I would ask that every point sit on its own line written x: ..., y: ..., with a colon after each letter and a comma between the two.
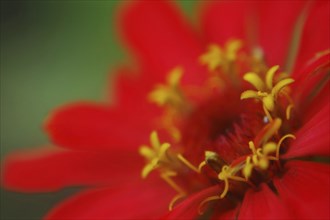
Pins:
x: 52, y: 53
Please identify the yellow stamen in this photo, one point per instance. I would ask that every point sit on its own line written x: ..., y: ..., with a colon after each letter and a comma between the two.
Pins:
x: 170, y: 93
x: 167, y: 121
x: 249, y: 94
x: 290, y: 106
x: 225, y: 190
x: 268, y: 115
x: 280, y: 85
x: 155, y: 143
x: 266, y: 92
x: 268, y: 102
x: 154, y: 154
x: 201, y: 165
x: 263, y: 163
x: 167, y: 176
x: 217, y: 57
x: 247, y: 170
x: 255, y: 80
x: 147, y: 152
x: 270, y: 130
x: 252, y: 147
x: 208, y: 199
x: 213, y: 57
x: 226, y: 174
x: 255, y: 159
x: 270, y: 75
x: 269, y: 148
x: 188, y: 164
x: 278, y: 146
x: 259, y: 158
x: 232, y: 48
x: 174, y: 200
x: 288, y: 111
x: 213, y: 160
x: 148, y: 168
x: 174, y: 77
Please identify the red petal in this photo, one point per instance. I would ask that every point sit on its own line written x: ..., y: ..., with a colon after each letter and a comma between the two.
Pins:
x: 319, y: 101
x: 143, y: 200
x: 316, y: 33
x: 305, y: 189
x: 309, y: 68
x: 188, y: 209
x: 263, y: 204
x: 313, y: 138
x: 132, y: 92
x: 100, y: 127
x: 309, y: 82
x: 224, y: 20
x: 50, y: 169
x: 161, y: 39
x: 254, y: 22
x: 275, y: 31
x: 228, y: 215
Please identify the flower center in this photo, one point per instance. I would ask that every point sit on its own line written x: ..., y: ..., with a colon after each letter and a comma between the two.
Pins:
x: 221, y: 132
x: 212, y: 124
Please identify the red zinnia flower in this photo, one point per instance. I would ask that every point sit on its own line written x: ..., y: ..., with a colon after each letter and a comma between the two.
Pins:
x: 232, y: 134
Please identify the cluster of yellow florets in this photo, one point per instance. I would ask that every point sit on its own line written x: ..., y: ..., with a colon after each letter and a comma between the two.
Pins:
x: 171, y: 96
